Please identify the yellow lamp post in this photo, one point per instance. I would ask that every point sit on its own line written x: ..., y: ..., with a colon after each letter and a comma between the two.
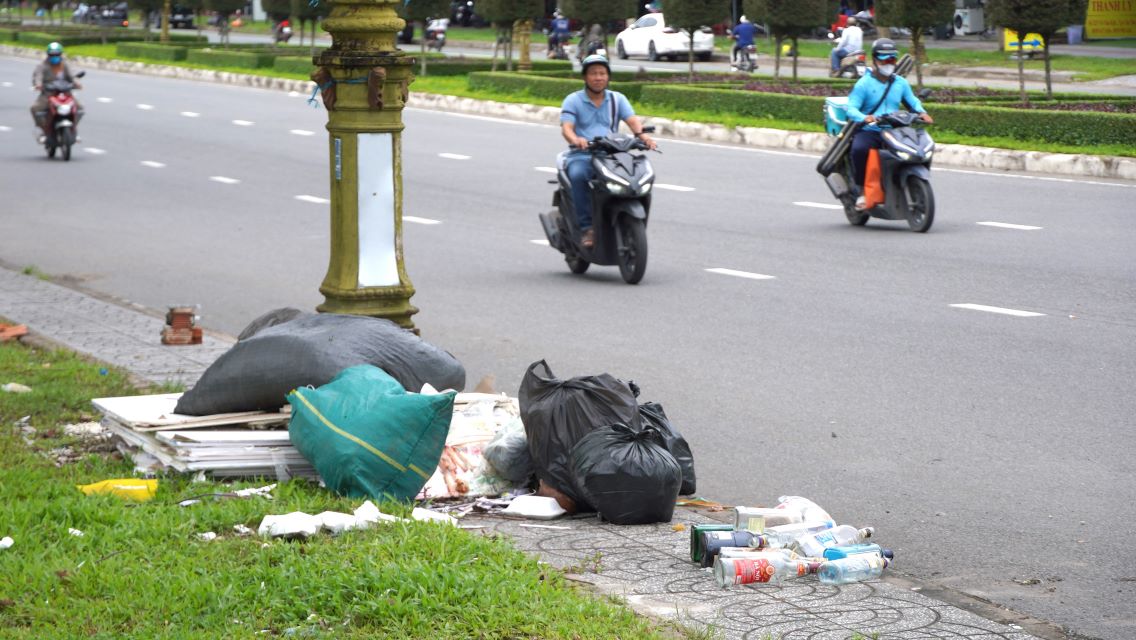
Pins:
x: 364, y: 81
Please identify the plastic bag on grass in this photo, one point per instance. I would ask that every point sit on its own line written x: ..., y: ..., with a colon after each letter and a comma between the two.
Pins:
x: 626, y: 474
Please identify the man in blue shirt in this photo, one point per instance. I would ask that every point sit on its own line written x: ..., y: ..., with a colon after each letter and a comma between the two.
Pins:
x: 558, y: 33
x: 593, y: 112
x: 743, y: 37
x: 879, y: 92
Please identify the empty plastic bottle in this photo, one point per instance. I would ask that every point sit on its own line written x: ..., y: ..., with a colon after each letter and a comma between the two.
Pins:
x: 814, y: 544
x: 808, y: 509
x: 844, y: 551
x: 774, y: 569
x: 857, y: 568
x: 756, y: 519
x: 750, y: 552
x: 784, y: 535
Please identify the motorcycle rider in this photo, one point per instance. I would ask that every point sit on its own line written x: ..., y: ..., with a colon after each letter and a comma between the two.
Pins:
x: 558, y: 33
x: 875, y: 92
x: 283, y: 31
x: 436, y: 27
x: 743, y: 36
x: 51, y: 69
x: 851, y: 39
x: 593, y: 112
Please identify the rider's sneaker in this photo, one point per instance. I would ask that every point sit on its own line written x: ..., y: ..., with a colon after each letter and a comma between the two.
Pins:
x: 861, y: 203
x: 40, y: 138
x: 589, y: 239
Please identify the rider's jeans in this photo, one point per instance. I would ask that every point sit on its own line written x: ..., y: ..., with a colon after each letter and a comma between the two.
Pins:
x: 837, y: 54
x: 865, y: 141
x: 580, y: 171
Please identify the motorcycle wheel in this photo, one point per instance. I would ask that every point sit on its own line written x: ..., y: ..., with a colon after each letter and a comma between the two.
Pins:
x: 631, y: 248
x: 855, y: 218
x: 577, y: 264
x: 652, y: 52
x: 68, y: 139
x: 920, y: 205
x: 50, y: 150
x: 620, y: 51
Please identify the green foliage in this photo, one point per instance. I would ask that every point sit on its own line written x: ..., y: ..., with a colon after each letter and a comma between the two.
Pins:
x: 423, y: 10
x: 241, y: 59
x: 9, y: 35
x: 753, y: 104
x: 226, y: 7
x: 547, y: 88
x: 692, y: 14
x: 789, y: 18
x: 598, y: 11
x: 296, y: 64
x: 1044, y: 17
x: 150, y: 51
x: 914, y: 14
x: 509, y: 11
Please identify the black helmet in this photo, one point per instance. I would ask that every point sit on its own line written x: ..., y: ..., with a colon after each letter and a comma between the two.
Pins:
x: 884, y: 48
x: 595, y: 58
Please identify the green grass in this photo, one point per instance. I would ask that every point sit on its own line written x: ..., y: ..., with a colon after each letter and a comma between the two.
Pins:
x: 139, y: 570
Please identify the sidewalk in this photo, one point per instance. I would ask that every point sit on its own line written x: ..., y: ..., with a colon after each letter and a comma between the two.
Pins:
x: 648, y: 566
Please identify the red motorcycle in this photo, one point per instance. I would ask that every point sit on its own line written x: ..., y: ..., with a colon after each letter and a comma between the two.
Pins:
x: 62, y: 115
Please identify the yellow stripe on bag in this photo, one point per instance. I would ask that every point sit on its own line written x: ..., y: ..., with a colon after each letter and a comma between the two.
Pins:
x: 419, y: 472
x: 384, y: 457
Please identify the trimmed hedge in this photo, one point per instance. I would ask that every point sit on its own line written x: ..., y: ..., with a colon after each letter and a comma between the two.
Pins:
x: 293, y: 64
x: 541, y: 87
x: 9, y: 35
x: 777, y: 106
x: 150, y: 51
x: 240, y: 59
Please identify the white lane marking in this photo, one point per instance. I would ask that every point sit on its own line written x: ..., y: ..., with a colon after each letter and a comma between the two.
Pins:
x: 1042, y: 178
x: 741, y: 274
x: 5, y: 84
x: 224, y: 180
x: 1008, y: 312
x: 4, y: 128
x: 420, y: 220
x: 672, y: 187
x: 545, y: 169
x: 453, y: 156
x: 1007, y: 225
x: 105, y: 100
x: 94, y: 150
x: 152, y: 164
x: 313, y: 199
x: 543, y: 243
x: 145, y: 107
x: 819, y: 205
x: 243, y: 123
x: 190, y: 114
x: 301, y: 132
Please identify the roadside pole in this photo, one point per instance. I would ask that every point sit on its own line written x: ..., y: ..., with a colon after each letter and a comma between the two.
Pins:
x: 364, y: 80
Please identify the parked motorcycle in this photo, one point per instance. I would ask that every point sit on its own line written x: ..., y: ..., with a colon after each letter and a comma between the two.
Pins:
x: 436, y: 33
x: 61, y: 116
x: 621, y: 204
x: 905, y: 170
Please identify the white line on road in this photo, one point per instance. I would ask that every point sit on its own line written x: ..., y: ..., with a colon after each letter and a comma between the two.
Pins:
x: 819, y: 205
x: 1043, y: 178
x: 95, y: 150
x: 453, y: 156
x: 420, y: 220
x: 4, y: 128
x: 243, y: 123
x: 105, y: 100
x: 5, y: 84
x: 293, y: 94
x: 313, y: 199
x: 545, y: 169
x: 542, y: 242
x: 224, y: 180
x: 153, y: 164
x: 145, y: 107
x: 1007, y: 225
x: 190, y: 114
x: 741, y: 274
x: 301, y: 132
x: 1008, y: 312
x: 672, y: 187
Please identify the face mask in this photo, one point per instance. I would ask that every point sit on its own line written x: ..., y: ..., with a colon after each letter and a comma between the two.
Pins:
x: 886, y: 70
x: 54, y: 59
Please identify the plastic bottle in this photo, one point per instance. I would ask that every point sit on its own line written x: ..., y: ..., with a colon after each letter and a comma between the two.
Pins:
x: 814, y: 544
x: 750, y: 552
x: 773, y: 569
x: 756, y: 519
x: 857, y: 568
x: 784, y: 535
x: 808, y: 509
x: 844, y: 551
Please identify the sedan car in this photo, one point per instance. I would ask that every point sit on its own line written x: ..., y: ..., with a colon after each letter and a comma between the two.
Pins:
x: 650, y: 36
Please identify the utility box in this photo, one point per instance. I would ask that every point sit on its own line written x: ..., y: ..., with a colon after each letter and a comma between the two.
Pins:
x: 969, y: 21
x: 835, y: 114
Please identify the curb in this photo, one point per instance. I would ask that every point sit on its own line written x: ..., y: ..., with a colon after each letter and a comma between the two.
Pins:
x: 952, y: 155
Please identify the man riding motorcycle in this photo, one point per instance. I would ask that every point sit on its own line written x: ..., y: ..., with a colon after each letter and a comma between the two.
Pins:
x: 51, y: 69
x: 876, y: 94
x: 851, y: 39
x: 743, y: 36
x: 593, y: 112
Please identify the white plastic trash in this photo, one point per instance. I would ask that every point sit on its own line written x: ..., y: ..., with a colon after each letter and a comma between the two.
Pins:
x: 336, y: 522
x: 6, y: 542
x: 426, y: 515
x: 367, y: 513
x: 292, y: 525
x: 535, y: 507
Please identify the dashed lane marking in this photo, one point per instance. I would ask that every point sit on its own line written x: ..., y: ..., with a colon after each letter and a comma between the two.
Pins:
x: 1007, y: 225
x: 1009, y: 312
x: 819, y: 205
x: 4, y: 128
x: 105, y: 100
x: 545, y: 169
x: 453, y: 156
x: 543, y: 243
x: 190, y: 114
x: 417, y: 220
x: 243, y: 123
x: 153, y: 164
x: 301, y: 132
x: 94, y: 150
x: 224, y: 180
x: 145, y: 107
x: 313, y: 199
x: 672, y: 187
x: 5, y: 84
x: 741, y: 274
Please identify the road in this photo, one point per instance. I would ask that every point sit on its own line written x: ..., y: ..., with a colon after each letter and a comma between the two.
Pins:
x: 993, y: 452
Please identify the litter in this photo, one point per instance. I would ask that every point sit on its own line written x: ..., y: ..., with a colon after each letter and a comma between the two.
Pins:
x: 463, y: 471
x: 265, y: 492
x: 207, y: 536
x: 181, y: 326
x: 543, y: 526
x: 84, y: 429
x: 12, y: 331
x: 289, y: 526
x: 301, y: 525
x: 75, y: 532
x: 426, y: 515
x: 137, y: 489
x: 6, y: 542
x: 536, y: 507
x: 15, y: 387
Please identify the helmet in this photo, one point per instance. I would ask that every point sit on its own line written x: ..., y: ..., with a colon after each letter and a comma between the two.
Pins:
x: 884, y: 48
x: 54, y: 49
x: 744, y: 20
x: 851, y: 21
x: 595, y: 58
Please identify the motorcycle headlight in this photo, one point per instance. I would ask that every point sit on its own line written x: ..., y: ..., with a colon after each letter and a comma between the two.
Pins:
x: 64, y: 109
x: 903, y: 155
x: 615, y: 188
x: 930, y: 152
x: 611, y: 177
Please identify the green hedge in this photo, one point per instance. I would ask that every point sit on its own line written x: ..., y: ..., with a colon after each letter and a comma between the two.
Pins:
x: 294, y: 64
x: 462, y: 66
x: 777, y: 106
x: 9, y: 35
x: 147, y: 51
x: 241, y: 59
x: 541, y: 87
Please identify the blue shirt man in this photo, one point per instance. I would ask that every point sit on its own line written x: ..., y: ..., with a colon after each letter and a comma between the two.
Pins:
x: 744, y: 34
x: 593, y: 112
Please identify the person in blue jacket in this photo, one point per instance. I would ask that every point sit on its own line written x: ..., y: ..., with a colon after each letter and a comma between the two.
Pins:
x: 883, y: 88
x: 743, y: 36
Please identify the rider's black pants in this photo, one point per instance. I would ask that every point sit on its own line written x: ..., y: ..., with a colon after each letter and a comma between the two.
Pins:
x: 865, y: 141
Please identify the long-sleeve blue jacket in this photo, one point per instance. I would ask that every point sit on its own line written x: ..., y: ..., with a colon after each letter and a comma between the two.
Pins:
x: 868, y: 91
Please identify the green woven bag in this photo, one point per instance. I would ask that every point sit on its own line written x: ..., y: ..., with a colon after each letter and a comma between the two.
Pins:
x: 368, y: 437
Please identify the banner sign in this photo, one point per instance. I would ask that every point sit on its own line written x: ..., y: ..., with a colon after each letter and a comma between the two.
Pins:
x: 1111, y: 19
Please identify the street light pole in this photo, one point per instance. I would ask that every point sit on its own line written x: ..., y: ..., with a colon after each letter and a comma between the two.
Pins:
x: 364, y: 81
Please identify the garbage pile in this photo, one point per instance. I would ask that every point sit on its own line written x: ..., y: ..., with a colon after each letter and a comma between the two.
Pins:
x: 791, y: 541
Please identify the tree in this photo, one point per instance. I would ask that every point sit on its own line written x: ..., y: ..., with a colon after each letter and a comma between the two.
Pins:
x: 691, y: 15
x: 599, y: 12
x: 147, y: 8
x: 503, y: 14
x: 1043, y: 17
x: 789, y: 19
x: 423, y: 10
x: 916, y: 15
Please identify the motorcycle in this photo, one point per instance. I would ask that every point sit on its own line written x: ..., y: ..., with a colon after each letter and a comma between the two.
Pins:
x: 436, y: 34
x: 854, y: 64
x: 556, y: 49
x: 905, y: 171
x: 283, y: 34
x: 621, y: 204
x: 747, y: 59
x: 61, y: 116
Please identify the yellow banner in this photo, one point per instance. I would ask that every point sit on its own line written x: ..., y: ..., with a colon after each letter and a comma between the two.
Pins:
x: 1032, y: 42
x: 1111, y: 19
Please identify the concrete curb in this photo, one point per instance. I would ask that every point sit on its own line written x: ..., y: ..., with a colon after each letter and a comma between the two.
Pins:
x: 952, y: 155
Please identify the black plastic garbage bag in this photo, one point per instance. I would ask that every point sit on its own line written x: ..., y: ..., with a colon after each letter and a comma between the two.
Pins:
x: 653, y: 416
x: 258, y: 372
x: 557, y: 413
x: 627, y: 475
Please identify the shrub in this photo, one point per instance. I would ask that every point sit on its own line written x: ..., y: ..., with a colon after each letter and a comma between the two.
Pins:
x: 240, y: 59
x: 294, y: 64
x: 539, y: 87
x: 150, y: 51
x: 8, y: 35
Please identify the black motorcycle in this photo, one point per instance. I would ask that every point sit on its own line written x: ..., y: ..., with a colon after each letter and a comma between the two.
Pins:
x: 905, y: 172
x: 621, y: 203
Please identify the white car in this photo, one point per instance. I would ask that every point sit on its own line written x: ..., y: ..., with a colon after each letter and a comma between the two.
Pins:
x: 650, y: 36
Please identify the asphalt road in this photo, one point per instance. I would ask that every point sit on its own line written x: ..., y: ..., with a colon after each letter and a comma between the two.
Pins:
x: 993, y: 452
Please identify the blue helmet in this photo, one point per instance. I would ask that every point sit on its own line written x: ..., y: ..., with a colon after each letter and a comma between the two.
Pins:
x: 54, y: 49
x: 595, y: 58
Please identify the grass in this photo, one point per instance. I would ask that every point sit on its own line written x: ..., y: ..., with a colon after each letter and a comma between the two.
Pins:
x: 139, y: 570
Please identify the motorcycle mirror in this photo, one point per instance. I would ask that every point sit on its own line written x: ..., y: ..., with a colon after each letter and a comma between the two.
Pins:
x: 80, y: 74
x: 924, y: 93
